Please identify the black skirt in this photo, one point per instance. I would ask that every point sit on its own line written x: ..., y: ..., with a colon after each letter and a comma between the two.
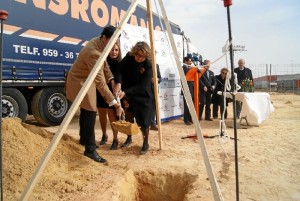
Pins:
x: 100, y: 100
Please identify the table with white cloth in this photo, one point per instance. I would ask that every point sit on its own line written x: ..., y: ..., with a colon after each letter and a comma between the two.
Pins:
x: 256, y: 107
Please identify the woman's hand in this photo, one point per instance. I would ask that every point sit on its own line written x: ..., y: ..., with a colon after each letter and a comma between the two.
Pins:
x: 116, y: 88
x: 121, y: 94
x: 119, y: 110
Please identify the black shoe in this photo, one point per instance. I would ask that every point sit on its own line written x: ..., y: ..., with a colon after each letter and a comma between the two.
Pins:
x: 114, y: 145
x: 103, y: 139
x: 188, y: 123
x: 144, y: 149
x: 208, y: 119
x: 94, y: 155
x: 127, y: 142
x: 153, y: 127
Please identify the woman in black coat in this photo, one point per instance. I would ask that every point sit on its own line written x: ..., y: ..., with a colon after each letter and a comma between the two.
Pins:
x: 134, y: 76
x: 218, y: 100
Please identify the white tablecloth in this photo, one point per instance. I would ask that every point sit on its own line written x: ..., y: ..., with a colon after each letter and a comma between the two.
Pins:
x: 256, y: 106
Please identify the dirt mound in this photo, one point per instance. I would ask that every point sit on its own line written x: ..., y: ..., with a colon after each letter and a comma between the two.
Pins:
x: 23, y: 146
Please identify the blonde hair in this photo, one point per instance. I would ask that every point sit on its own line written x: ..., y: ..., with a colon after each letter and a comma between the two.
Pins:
x: 141, y: 46
x: 119, y: 58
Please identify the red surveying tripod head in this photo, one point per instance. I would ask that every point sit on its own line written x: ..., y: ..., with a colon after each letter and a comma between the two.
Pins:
x: 227, y: 3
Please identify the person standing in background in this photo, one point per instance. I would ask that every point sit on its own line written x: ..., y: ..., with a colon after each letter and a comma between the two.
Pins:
x: 207, y: 84
x: 218, y: 100
x: 153, y: 121
x: 242, y: 73
x: 187, y: 118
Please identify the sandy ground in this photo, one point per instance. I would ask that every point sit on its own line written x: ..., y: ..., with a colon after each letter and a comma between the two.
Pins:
x: 268, y: 161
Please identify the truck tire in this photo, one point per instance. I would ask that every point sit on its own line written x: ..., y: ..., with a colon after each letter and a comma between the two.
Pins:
x: 13, y: 104
x: 49, y: 106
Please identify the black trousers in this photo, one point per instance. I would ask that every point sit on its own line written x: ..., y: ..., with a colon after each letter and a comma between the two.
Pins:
x: 186, y: 113
x: 219, y: 102
x: 216, y: 109
x: 87, y: 129
x: 205, y: 100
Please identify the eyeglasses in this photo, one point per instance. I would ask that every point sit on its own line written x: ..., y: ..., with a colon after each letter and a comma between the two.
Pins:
x: 139, y: 55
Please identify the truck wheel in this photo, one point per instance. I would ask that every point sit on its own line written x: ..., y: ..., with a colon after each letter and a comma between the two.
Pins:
x: 49, y: 106
x: 13, y: 104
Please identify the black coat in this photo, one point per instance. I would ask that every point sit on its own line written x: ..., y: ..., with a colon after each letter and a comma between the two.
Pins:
x: 220, y: 84
x: 136, y: 81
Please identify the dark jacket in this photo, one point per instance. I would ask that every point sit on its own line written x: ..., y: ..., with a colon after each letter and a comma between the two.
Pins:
x: 207, y: 81
x: 246, y: 73
x: 220, y: 84
x: 136, y: 81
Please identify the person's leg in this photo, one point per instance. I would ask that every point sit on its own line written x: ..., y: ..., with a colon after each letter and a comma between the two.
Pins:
x: 82, y: 134
x: 128, y: 117
x: 90, y: 144
x: 103, y: 124
x: 145, y: 148
x: 186, y: 113
x: 215, y: 110
x: 89, y: 120
x: 207, y: 106
x: 202, y: 104
x: 112, y: 118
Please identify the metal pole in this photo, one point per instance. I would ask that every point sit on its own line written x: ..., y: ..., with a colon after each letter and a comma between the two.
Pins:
x: 3, y: 17
x: 227, y: 4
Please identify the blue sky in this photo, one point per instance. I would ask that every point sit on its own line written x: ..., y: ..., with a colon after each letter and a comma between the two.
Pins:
x: 269, y: 29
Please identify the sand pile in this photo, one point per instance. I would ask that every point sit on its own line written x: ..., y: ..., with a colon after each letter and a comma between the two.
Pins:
x: 23, y: 146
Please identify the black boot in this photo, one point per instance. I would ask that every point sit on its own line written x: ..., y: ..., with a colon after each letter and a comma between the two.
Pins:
x: 128, y: 141
x: 103, y: 139
x: 145, y: 147
x: 114, y: 145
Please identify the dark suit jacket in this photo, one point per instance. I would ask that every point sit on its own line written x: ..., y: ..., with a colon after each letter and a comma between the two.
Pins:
x: 207, y: 81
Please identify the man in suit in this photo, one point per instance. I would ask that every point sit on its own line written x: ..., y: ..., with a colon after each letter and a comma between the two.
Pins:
x: 187, y: 62
x: 153, y: 121
x: 242, y: 73
x: 77, y: 75
x: 207, y: 84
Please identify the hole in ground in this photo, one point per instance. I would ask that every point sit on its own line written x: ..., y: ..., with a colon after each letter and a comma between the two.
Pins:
x: 149, y: 185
